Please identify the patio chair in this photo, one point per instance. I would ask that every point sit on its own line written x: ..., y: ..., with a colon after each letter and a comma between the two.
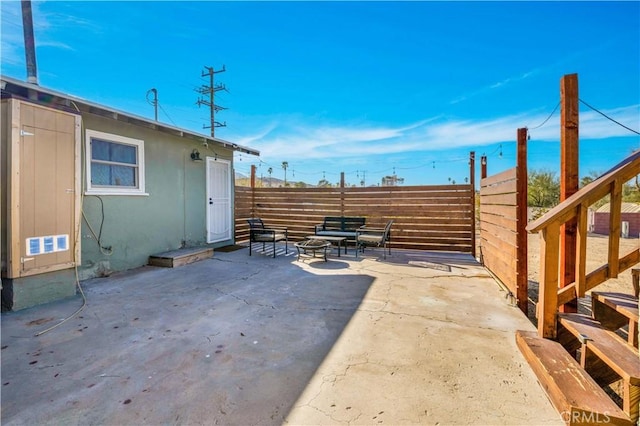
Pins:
x: 258, y: 233
x: 374, y: 237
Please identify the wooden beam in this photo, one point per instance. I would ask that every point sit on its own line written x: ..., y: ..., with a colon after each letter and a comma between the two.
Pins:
x: 615, y: 216
x: 522, y: 273
x: 548, y: 285
x: 569, y: 179
x: 472, y: 183
x: 598, y: 276
x: 77, y: 199
x: 14, y: 253
x: 341, y: 193
x: 581, y: 251
x: 253, y: 190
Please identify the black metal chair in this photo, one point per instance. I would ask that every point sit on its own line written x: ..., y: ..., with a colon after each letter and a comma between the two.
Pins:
x: 374, y: 237
x: 258, y: 233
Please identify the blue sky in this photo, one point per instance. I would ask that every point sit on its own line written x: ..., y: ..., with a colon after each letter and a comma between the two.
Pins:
x: 373, y: 87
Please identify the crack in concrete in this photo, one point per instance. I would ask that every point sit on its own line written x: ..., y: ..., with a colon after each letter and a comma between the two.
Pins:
x: 245, y: 301
x: 444, y: 320
x: 331, y: 379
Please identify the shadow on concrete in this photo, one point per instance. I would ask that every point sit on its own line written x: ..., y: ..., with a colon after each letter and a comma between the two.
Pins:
x: 332, y: 265
x: 444, y: 261
x: 229, y: 340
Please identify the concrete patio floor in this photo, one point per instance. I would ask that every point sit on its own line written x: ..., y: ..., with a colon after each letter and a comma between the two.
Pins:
x: 421, y: 338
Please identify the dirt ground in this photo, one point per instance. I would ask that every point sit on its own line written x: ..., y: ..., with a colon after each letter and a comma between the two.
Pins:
x: 597, y: 254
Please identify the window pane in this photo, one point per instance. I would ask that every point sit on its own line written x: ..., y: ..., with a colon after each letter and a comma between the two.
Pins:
x: 99, y: 150
x: 123, y: 153
x: 106, y: 175
x: 123, y: 176
x: 100, y: 174
x: 111, y: 151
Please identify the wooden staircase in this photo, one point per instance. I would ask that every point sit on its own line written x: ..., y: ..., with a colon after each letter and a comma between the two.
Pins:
x: 590, y: 372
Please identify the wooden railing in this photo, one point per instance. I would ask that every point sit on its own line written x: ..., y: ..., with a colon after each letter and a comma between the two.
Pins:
x: 551, y: 297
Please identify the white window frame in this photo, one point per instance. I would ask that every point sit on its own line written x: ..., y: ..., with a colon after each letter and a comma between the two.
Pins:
x: 114, y: 190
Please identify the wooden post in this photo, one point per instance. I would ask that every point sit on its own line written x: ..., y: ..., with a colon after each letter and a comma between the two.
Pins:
x: 522, y: 272
x: 548, y: 290
x: 472, y: 184
x: 615, y: 220
x: 569, y: 179
x: 253, y: 190
x: 483, y: 167
x: 341, y: 193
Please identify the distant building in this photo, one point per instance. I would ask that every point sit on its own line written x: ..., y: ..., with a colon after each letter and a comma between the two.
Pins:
x: 392, y: 180
x: 629, y: 218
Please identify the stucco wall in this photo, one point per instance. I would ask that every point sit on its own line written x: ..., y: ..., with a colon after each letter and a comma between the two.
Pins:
x: 173, y: 215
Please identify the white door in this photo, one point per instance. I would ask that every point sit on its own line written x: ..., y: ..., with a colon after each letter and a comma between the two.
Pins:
x: 219, y: 214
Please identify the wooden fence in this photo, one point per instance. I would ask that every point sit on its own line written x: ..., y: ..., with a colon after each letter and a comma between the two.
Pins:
x: 426, y: 217
x: 503, y: 221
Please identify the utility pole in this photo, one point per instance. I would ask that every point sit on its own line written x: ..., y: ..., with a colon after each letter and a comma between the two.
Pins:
x: 363, y: 180
x: 210, y: 90
x: 285, y: 165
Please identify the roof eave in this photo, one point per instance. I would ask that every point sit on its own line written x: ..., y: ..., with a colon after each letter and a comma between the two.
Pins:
x: 97, y: 109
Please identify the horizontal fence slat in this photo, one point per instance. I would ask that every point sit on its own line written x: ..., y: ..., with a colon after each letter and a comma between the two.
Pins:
x: 504, y: 199
x: 508, y: 186
x: 435, y: 217
x: 507, y: 175
x: 509, y: 212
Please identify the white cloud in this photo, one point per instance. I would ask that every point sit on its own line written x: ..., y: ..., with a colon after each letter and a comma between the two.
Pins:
x: 495, y: 85
x: 45, y: 25
x: 12, y: 40
x: 323, y: 141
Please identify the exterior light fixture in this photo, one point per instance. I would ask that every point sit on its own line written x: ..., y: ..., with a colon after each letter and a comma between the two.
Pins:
x: 195, y: 155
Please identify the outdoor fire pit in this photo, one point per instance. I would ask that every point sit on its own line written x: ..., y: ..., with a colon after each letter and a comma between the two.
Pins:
x: 313, y: 246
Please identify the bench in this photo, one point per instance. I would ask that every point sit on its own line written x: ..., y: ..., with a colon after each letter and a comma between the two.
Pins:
x: 341, y: 226
x: 576, y: 396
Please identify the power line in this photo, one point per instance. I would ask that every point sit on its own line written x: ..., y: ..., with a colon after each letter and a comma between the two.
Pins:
x: 547, y: 119
x: 609, y: 118
x: 165, y: 113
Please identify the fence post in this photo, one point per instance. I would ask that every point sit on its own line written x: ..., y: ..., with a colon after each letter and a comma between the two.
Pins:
x: 472, y: 183
x: 522, y: 279
x: 253, y: 190
x: 569, y: 179
x: 341, y: 193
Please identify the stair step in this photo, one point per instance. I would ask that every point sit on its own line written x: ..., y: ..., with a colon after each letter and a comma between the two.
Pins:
x: 608, y: 346
x: 576, y: 396
x: 606, y: 357
x: 616, y: 310
x: 175, y: 258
